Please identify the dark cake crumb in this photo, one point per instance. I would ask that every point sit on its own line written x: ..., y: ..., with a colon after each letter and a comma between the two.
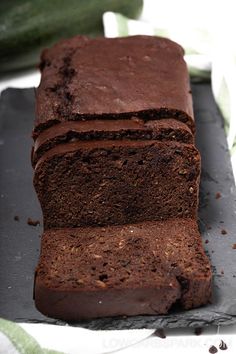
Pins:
x: 234, y: 246
x: 223, y: 345
x: 224, y: 232
x: 222, y: 272
x: 198, y: 331
x: 159, y: 333
x: 207, y: 241
x: 16, y: 218
x: 32, y: 222
x: 213, y: 349
x: 218, y: 195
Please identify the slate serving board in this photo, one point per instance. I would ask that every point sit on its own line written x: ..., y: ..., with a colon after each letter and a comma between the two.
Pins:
x: 20, y: 242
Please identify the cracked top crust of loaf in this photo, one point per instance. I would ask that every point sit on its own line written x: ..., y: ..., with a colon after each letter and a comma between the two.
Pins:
x: 84, y: 78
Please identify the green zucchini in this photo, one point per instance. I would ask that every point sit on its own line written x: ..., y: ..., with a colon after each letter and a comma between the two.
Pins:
x: 28, y: 26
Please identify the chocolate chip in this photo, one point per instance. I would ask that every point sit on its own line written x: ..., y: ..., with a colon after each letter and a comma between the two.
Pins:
x: 213, y: 349
x: 224, y: 232
x: 223, y: 345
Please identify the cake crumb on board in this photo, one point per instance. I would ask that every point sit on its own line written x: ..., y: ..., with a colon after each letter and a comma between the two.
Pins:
x: 32, y: 222
x: 218, y: 195
x: 160, y: 333
x: 198, y: 331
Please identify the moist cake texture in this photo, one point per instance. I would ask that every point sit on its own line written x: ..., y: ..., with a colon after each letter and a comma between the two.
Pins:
x: 142, y: 268
x: 117, y: 173
x: 120, y: 148
x: 131, y: 129
x: 117, y: 182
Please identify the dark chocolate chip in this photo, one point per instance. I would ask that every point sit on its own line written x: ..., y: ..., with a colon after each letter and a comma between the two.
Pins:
x: 213, y: 349
x: 223, y: 345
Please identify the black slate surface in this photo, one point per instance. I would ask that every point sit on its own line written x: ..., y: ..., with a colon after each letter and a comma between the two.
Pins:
x: 19, y: 242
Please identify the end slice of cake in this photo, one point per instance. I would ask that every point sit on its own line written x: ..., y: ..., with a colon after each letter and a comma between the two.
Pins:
x: 133, y: 269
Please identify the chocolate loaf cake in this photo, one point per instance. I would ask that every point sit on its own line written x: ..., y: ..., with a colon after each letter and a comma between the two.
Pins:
x: 143, y: 268
x: 115, y: 145
x: 117, y: 175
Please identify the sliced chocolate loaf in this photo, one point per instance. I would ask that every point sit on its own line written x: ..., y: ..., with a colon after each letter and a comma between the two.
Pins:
x: 131, y: 129
x: 114, y: 133
x: 112, y: 182
x: 117, y: 175
x: 115, y: 78
x: 142, y: 268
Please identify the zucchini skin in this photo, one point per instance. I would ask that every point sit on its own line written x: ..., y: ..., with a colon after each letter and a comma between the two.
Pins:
x: 28, y: 26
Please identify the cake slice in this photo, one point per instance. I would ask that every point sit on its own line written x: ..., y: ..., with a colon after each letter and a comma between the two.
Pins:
x: 109, y: 182
x: 131, y: 129
x: 135, y: 269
